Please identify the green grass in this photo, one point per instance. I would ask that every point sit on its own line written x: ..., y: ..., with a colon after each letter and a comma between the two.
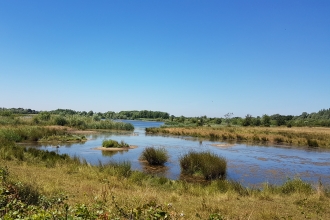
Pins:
x: 207, y: 164
x: 155, y: 156
x: 114, y: 144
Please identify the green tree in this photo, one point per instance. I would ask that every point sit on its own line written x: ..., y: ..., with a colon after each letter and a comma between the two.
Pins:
x: 265, y: 120
x: 248, y: 120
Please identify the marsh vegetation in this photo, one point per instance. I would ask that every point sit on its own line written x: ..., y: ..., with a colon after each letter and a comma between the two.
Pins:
x: 37, y: 184
x: 298, y: 136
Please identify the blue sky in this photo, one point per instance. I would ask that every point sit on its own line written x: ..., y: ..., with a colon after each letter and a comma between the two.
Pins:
x: 187, y: 57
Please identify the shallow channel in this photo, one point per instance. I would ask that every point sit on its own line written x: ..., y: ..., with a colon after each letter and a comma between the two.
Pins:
x: 251, y: 165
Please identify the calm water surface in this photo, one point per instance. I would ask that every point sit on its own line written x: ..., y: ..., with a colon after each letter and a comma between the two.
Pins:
x: 247, y: 164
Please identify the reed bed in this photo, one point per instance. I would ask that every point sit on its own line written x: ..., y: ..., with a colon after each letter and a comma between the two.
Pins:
x: 298, y: 136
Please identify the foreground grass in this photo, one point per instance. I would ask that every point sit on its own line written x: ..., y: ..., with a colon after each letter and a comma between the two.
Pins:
x: 88, y: 186
x: 298, y: 136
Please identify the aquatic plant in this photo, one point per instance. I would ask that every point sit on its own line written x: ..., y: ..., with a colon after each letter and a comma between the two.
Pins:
x: 207, y: 164
x: 155, y: 156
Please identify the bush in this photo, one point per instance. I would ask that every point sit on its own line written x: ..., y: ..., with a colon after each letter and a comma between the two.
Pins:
x: 114, y: 144
x: 208, y: 164
x: 155, y: 156
x: 59, y: 120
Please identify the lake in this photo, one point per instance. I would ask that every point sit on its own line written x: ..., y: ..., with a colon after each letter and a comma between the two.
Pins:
x: 251, y: 165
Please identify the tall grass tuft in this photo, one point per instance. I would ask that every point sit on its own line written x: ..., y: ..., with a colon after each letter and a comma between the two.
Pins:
x: 296, y: 186
x: 207, y: 164
x: 120, y: 169
x: 155, y: 156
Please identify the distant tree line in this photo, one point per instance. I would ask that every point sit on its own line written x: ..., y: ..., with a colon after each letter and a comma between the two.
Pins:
x: 320, y: 118
x: 9, y: 111
x: 142, y: 114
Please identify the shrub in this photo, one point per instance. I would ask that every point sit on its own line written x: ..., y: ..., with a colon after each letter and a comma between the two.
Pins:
x: 208, y: 164
x: 114, y: 144
x: 59, y: 120
x: 155, y: 156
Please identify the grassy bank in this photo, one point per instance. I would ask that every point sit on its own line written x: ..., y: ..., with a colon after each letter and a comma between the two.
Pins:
x: 298, y: 136
x: 73, y: 121
x: 24, y: 133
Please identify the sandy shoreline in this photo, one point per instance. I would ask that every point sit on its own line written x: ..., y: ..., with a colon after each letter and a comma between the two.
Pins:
x: 116, y: 149
x: 223, y: 145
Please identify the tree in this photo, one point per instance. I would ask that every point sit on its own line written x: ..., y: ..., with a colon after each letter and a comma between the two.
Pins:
x: 227, y: 117
x: 265, y: 120
x: 248, y: 120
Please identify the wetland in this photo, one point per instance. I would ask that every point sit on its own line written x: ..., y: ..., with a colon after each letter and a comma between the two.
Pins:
x: 249, y: 164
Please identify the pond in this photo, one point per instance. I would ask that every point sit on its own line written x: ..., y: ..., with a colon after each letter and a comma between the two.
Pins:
x: 250, y: 165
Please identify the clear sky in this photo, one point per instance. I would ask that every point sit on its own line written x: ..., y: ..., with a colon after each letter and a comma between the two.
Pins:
x: 186, y: 57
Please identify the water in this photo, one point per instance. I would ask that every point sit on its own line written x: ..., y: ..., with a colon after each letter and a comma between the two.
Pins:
x: 247, y: 164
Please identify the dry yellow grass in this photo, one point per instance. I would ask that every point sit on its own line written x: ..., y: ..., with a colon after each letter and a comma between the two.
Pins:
x: 298, y: 136
x: 86, y: 184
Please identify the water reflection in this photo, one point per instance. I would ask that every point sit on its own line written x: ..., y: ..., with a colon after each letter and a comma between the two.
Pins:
x: 154, y: 170
x: 111, y: 153
x: 249, y: 164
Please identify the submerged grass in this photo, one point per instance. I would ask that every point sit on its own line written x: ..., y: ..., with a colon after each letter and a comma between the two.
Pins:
x: 298, y: 136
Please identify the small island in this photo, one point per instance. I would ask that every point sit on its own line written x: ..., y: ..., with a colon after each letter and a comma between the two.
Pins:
x: 112, y: 145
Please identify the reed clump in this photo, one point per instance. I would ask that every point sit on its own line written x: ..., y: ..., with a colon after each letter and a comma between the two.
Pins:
x: 207, y: 164
x: 155, y: 156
